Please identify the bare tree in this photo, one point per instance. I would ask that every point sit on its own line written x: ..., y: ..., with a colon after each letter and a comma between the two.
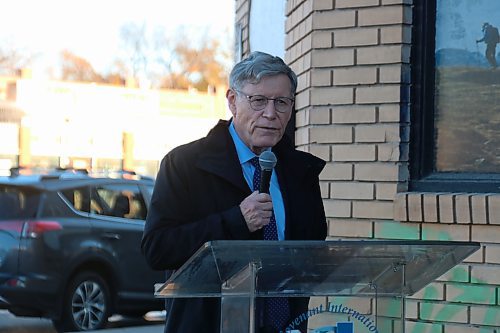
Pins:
x: 200, y: 65
x: 164, y: 60
x: 175, y: 61
x: 188, y: 61
x: 12, y: 59
x: 117, y: 74
x: 136, y: 46
x: 75, y: 68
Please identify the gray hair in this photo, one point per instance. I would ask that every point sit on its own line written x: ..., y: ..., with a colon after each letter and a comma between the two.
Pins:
x: 258, y: 65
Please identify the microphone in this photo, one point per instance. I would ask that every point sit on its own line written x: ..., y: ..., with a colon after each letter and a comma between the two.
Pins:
x: 267, y: 161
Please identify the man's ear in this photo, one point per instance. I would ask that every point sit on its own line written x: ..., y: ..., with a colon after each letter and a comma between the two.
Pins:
x: 231, y: 101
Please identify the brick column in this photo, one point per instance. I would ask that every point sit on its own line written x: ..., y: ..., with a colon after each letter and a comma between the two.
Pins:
x: 352, y: 58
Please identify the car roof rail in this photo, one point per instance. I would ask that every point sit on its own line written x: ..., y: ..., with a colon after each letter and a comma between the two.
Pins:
x: 75, y: 170
x: 22, y: 170
x: 16, y: 171
x: 120, y: 174
x: 130, y: 173
x: 47, y: 173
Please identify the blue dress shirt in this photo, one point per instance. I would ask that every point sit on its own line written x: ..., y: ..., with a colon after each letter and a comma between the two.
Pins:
x: 245, y: 155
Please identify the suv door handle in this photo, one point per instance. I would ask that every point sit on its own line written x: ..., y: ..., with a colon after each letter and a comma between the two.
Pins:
x: 110, y: 235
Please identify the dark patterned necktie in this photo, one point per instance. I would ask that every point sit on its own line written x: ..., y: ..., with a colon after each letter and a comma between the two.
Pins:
x: 277, y: 310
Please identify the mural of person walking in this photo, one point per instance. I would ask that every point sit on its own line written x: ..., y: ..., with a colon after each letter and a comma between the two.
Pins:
x: 491, y: 38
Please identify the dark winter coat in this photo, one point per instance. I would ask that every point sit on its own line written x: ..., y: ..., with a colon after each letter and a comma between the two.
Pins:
x: 196, y: 199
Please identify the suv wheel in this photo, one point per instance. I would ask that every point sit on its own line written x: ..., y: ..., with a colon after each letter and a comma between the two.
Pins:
x: 86, y: 304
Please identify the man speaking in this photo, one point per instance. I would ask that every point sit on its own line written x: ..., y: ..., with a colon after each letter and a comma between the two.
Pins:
x: 210, y: 189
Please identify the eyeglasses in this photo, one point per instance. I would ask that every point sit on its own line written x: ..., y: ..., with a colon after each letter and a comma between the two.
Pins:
x: 259, y: 102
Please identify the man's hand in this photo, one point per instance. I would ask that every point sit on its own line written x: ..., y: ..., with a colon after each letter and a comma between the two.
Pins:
x: 257, y: 209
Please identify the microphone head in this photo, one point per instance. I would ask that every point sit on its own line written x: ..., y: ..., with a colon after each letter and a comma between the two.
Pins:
x: 267, y: 160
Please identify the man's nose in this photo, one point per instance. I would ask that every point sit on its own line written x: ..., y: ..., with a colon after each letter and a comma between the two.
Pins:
x: 270, y: 110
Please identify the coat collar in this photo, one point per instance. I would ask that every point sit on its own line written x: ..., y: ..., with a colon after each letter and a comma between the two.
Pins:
x: 220, y: 158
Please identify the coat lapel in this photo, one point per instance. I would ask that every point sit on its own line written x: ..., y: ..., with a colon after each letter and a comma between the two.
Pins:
x: 292, y: 169
x: 220, y: 157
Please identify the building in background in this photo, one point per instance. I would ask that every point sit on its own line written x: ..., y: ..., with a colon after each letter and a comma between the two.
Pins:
x: 398, y: 98
x: 99, y: 127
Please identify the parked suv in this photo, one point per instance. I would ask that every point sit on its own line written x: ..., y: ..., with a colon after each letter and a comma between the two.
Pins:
x: 70, y: 248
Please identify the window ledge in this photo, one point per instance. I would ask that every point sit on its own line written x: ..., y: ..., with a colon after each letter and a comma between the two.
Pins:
x: 448, y: 207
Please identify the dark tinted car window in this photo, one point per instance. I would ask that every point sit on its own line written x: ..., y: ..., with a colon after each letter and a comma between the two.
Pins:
x: 122, y: 200
x: 18, y: 202
x: 55, y: 207
x: 79, y: 198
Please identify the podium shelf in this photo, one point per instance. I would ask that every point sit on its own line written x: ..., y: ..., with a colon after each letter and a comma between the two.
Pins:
x: 315, y: 268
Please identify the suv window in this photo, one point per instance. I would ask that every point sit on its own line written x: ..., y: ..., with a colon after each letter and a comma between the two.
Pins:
x: 78, y: 198
x: 119, y: 201
x: 18, y: 202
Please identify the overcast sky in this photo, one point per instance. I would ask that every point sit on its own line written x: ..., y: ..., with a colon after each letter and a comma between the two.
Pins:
x: 91, y: 28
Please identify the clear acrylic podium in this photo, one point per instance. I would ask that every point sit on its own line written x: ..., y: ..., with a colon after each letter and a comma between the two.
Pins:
x: 238, y: 272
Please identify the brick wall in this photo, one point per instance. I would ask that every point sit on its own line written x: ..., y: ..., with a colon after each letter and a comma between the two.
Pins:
x: 466, y: 299
x: 352, y: 58
x: 353, y: 62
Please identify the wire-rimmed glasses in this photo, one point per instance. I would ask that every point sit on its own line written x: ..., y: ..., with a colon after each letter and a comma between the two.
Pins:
x: 259, y: 102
